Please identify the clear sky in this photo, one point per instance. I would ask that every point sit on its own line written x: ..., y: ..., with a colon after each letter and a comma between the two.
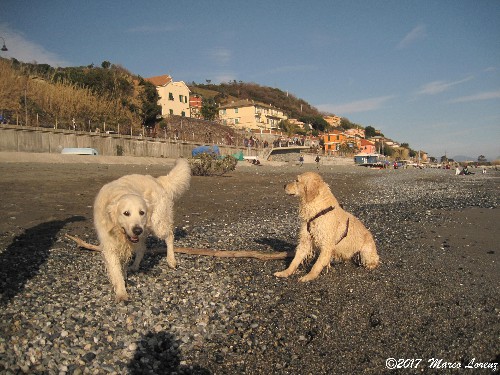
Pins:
x: 424, y: 72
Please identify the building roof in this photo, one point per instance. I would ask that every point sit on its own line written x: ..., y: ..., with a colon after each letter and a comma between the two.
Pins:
x: 160, y: 80
x: 248, y: 103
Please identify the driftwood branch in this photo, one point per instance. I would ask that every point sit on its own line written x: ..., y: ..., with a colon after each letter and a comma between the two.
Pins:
x: 192, y: 251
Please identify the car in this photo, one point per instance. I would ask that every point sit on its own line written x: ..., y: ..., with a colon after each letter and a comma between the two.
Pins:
x: 79, y: 151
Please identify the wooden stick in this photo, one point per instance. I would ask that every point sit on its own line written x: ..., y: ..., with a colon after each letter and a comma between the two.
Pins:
x: 84, y: 244
x: 192, y: 251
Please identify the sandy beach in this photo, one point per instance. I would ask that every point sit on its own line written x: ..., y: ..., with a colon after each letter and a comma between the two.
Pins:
x: 433, y: 300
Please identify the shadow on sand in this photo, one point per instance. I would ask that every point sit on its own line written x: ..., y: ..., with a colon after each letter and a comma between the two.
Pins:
x: 23, y: 258
x: 159, y: 353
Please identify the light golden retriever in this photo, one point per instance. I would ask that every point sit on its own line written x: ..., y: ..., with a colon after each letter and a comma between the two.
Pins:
x: 325, y: 225
x: 126, y: 208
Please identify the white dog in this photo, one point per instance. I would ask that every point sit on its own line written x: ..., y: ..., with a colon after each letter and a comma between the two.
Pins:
x: 125, y: 208
x: 337, y: 234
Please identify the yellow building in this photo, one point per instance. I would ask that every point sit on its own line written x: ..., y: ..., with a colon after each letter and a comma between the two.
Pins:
x: 247, y: 114
x: 333, y: 120
x: 174, y: 96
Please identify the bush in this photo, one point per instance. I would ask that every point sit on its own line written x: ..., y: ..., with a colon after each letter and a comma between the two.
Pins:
x: 211, y: 165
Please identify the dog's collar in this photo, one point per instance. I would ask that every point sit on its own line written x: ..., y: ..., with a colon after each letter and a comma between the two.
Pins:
x: 319, y: 214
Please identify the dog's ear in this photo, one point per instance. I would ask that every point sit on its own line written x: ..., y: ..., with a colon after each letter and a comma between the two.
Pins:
x: 111, y: 210
x: 311, y: 189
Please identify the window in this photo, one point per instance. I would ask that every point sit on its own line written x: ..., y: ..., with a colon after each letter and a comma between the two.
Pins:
x: 171, y: 111
x: 236, y: 110
x: 236, y: 120
x: 170, y: 96
x: 185, y: 100
x: 183, y: 114
x: 181, y: 98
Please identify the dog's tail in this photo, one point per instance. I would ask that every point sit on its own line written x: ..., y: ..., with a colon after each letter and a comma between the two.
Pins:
x: 176, y: 182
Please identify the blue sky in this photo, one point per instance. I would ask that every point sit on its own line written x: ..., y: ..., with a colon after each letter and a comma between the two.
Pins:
x: 423, y: 72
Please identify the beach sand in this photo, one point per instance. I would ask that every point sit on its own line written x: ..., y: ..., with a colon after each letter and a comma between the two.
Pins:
x: 435, y: 294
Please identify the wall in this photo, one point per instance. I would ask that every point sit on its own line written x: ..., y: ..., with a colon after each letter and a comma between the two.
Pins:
x: 27, y: 139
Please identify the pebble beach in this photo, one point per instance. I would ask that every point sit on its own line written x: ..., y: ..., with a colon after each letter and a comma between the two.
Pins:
x: 432, y: 302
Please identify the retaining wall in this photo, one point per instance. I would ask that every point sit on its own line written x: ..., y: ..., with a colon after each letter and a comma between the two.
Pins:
x: 29, y: 139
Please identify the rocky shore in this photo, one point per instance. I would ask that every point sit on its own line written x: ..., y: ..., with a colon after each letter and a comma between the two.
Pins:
x: 433, y: 300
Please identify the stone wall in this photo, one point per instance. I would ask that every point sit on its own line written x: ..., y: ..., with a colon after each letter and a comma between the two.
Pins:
x: 46, y: 140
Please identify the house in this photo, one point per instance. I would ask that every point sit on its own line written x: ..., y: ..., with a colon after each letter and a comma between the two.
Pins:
x: 333, y: 120
x: 335, y: 138
x: 366, y: 146
x: 195, y: 104
x: 247, y: 114
x: 367, y: 158
x: 174, y: 96
x: 356, y: 132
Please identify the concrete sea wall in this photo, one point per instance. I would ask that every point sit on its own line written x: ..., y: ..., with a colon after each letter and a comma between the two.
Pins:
x: 46, y: 140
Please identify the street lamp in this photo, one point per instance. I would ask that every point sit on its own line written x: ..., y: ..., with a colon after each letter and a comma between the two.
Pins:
x: 4, y: 48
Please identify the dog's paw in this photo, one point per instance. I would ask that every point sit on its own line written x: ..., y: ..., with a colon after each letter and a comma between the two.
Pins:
x: 122, y: 297
x: 172, y: 263
x: 307, y: 278
x: 371, y: 265
x: 133, y: 268
x: 282, y: 274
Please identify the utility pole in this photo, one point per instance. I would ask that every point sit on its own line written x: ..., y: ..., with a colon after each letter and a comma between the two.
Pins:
x: 26, y: 105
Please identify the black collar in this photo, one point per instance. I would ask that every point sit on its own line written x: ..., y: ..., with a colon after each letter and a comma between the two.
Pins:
x: 319, y: 214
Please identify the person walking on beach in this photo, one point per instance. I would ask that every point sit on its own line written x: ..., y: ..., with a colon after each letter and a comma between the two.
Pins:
x: 317, y: 161
x: 301, y: 160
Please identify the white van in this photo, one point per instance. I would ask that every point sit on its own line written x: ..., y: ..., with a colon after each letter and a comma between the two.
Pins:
x: 79, y: 151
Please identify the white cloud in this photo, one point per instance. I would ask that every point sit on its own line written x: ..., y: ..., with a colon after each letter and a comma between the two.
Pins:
x: 25, y: 50
x: 477, y: 97
x: 224, y: 77
x: 220, y: 55
x: 436, y: 87
x: 364, y: 105
x: 417, y: 33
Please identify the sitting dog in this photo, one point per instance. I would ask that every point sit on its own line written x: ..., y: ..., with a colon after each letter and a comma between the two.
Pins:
x: 125, y: 208
x: 325, y: 225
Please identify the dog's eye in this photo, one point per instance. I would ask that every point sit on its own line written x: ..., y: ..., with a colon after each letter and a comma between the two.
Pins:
x: 141, y: 212
x: 126, y: 213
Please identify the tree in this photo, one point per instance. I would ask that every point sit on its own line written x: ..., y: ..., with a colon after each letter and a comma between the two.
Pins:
x: 370, y: 132
x: 481, y: 159
x: 105, y: 64
x: 150, y: 110
x: 317, y: 122
x: 209, y: 109
x: 345, y: 123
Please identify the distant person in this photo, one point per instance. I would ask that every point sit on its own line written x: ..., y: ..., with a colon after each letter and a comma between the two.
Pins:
x: 317, y: 161
x: 301, y: 160
x: 465, y: 171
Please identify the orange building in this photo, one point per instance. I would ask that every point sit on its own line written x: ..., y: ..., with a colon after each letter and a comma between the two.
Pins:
x: 333, y: 140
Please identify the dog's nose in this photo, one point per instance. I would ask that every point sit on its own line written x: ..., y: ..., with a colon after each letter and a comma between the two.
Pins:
x: 137, y: 231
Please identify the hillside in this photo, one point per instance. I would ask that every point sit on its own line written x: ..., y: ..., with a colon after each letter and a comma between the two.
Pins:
x: 80, y: 97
